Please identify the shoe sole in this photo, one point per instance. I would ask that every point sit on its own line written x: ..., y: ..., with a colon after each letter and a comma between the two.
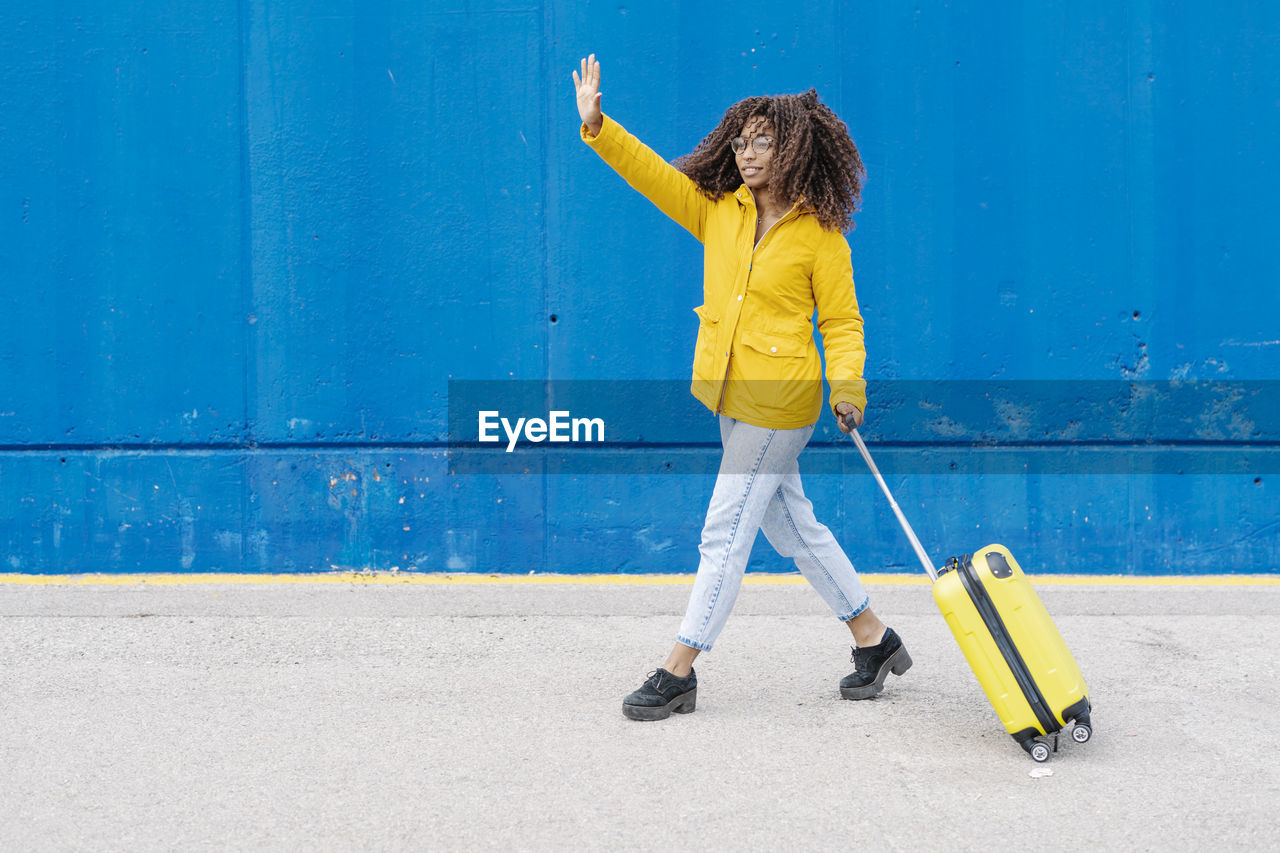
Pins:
x: 682, y: 704
x: 897, y: 663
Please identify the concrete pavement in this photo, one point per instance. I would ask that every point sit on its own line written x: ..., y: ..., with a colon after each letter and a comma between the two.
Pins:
x: 431, y: 717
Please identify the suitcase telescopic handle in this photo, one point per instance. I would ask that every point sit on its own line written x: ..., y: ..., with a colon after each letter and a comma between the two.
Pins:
x: 902, y: 519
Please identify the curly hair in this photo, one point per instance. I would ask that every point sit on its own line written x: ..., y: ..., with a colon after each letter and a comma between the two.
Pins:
x: 815, y: 160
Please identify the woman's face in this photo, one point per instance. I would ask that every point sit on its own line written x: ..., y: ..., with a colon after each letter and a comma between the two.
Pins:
x: 754, y: 165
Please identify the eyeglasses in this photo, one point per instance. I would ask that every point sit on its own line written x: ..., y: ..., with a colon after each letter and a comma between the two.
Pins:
x: 760, y: 144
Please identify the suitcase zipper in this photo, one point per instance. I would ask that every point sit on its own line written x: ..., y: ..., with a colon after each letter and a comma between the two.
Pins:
x: 991, y: 617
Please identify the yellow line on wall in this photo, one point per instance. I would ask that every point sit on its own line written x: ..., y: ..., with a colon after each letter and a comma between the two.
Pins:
x: 175, y: 579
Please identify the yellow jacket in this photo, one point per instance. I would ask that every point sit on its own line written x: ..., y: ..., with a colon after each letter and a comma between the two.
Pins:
x: 755, y: 359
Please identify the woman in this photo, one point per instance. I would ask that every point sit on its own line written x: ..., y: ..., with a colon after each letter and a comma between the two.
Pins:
x: 770, y: 193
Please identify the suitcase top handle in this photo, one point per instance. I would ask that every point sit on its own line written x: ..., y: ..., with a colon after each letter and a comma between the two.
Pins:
x: 902, y: 519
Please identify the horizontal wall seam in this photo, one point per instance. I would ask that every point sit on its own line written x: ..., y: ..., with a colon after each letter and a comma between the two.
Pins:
x: 877, y: 579
x: 607, y: 447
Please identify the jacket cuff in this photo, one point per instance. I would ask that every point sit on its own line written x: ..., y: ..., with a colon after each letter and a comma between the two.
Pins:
x: 858, y: 403
x: 604, y: 130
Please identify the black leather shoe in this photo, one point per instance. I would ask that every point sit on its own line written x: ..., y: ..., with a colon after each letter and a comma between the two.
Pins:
x: 661, y: 694
x: 872, y: 666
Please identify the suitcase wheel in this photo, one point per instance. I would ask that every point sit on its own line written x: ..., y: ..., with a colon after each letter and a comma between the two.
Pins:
x: 1038, y: 750
x: 1081, y: 733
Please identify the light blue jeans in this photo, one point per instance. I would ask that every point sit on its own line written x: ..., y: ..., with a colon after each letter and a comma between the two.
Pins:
x: 758, y: 488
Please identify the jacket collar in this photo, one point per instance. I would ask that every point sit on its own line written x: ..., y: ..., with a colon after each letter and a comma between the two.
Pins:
x: 744, y: 197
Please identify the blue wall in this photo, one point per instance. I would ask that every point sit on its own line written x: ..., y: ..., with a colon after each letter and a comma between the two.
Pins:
x: 245, y: 246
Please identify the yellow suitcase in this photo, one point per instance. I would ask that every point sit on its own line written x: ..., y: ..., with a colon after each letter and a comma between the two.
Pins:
x: 1007, y: 636
x: 1014, y: 648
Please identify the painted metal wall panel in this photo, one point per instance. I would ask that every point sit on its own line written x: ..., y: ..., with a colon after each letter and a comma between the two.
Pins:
x: 106, y: 510
x: 244, y: 247
x: 119, y: 247
x: 396, y: 165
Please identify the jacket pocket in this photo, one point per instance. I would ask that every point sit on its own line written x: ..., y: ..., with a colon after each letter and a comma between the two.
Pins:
x: 772, y: 344
x: 704, y: 352
x: 780, y: 379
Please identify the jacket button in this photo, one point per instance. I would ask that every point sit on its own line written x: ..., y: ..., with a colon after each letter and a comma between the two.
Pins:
x: 773, y: 349
x: 739, y: 297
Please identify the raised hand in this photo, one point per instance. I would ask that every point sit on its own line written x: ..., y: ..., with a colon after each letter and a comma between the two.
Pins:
x: 588, y: 88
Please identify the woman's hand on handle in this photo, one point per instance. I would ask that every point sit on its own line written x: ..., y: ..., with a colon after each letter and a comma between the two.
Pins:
x: 587, y: 85
x: 849, y: 418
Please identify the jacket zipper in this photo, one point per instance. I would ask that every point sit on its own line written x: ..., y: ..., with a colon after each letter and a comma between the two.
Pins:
x: 784, y: 218
x: 750, y: 266
x: 723, y: 384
